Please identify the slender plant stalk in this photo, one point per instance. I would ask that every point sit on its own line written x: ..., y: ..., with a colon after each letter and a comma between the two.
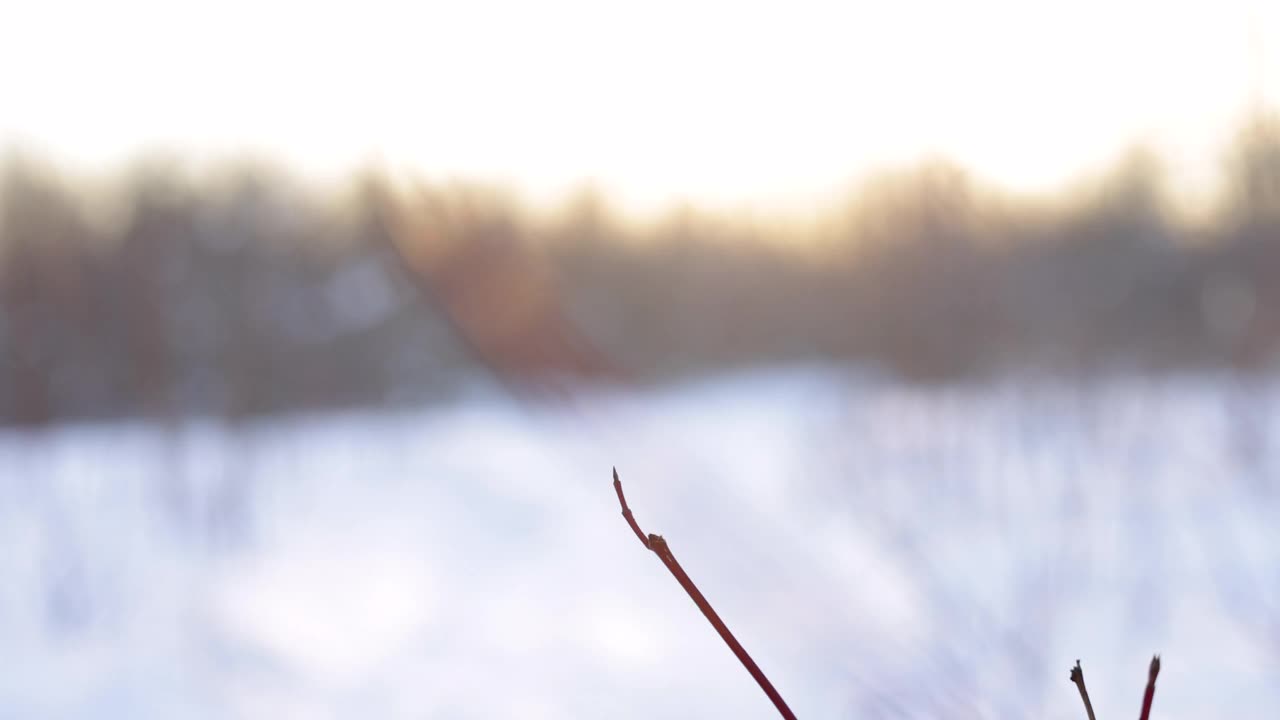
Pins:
x: 1152, y: 672
x: 663, y: 551
x: 1077, y: 677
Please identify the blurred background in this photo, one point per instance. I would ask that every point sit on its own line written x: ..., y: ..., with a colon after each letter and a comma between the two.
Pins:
x: 939, y: 340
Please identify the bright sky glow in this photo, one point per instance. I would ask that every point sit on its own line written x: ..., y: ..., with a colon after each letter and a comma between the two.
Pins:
x: 719, y: 102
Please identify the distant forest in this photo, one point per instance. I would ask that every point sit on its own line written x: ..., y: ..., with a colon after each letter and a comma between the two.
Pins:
x: 245, y: 292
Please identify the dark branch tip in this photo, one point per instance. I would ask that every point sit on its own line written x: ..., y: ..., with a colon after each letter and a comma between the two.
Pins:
x: 1155, y: 668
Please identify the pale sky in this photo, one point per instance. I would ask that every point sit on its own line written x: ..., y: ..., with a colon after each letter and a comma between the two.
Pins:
x: 719, y: 102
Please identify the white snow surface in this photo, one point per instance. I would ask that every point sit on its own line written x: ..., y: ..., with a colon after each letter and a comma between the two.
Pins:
x: 882, y: 550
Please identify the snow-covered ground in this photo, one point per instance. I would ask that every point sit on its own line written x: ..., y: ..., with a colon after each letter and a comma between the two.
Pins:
x: 883, y: 552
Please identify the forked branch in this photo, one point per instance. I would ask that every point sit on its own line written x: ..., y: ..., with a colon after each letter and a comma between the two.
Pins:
x: 660, y: 548
x: 1077, y: 677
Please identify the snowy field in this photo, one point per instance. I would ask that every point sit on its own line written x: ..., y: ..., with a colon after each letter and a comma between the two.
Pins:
x: 882, y: 551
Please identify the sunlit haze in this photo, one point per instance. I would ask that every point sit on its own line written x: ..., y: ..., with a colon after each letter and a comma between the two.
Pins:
x: 939, y: 340
x: 714, y: 102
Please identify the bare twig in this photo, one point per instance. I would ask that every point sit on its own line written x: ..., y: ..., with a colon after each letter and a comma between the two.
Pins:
x: 1077, y: 677
x: 626, y: 511
x: 660, y: 548
x: 1152, y: 672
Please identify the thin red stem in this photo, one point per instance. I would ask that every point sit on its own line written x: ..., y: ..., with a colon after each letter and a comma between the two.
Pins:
x: 1152, y: 672
x: 660, y: 548
x: 626, y: 511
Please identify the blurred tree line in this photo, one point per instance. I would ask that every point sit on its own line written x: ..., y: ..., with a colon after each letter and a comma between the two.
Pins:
x: 244, y: 292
